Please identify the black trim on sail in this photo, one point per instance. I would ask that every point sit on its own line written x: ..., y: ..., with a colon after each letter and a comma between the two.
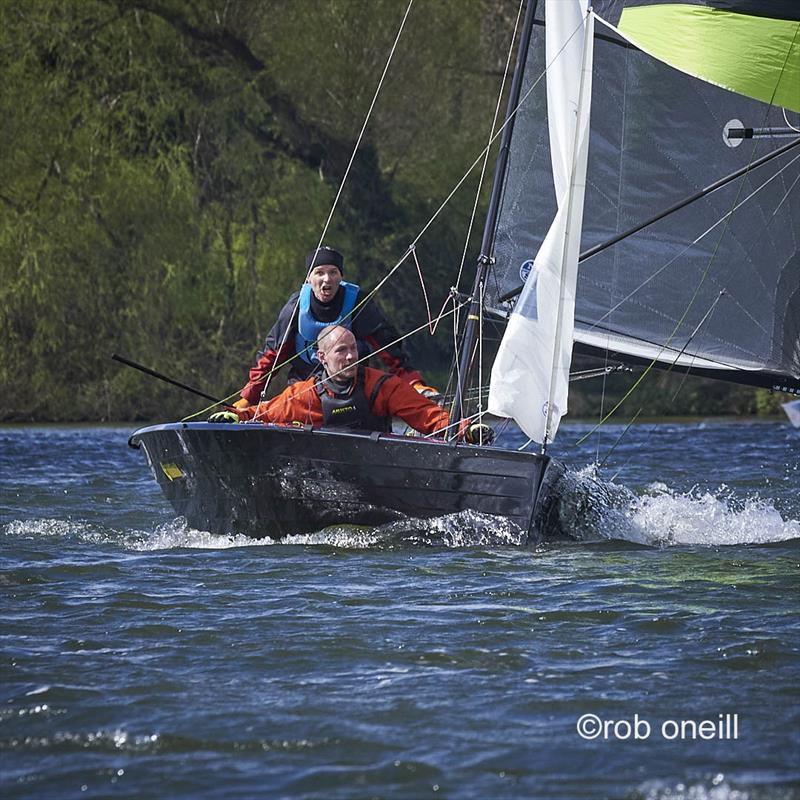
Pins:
x: 611, y: 10
x: 762, y: 380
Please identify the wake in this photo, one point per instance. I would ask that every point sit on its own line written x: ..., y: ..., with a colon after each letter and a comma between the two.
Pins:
x: 464, y: 529
x: 587, y: 509
x: 590, y: 509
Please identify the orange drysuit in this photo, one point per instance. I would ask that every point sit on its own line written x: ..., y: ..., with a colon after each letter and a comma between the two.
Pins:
x: 300, y: 403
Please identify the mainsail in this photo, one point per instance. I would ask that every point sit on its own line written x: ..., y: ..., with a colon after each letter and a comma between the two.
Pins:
x: 715, y: 287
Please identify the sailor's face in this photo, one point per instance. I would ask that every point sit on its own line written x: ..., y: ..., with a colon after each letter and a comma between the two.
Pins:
x: 339, y: 354
x: 325, y: 280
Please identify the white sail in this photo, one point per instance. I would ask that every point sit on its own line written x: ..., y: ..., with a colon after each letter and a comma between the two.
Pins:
x: 792, y: 409
x: 530, y: 376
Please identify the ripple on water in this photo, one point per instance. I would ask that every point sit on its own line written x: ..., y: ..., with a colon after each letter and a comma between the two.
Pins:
x: 718, y: 787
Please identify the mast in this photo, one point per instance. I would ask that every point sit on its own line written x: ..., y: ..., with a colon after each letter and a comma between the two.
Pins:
x: 486, y: 258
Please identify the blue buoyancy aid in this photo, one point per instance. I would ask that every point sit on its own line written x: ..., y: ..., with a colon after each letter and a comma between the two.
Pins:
x: 309, y: 327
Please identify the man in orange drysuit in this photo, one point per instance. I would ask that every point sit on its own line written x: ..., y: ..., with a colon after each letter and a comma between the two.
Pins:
x: 347, y: 395
x: 326, y: 299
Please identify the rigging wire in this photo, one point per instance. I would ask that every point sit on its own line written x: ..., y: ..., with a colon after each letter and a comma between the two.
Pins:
x: 442, y: 314
x: 344, y: 180
x: 685, y: 374
x: 480, y: 355
x: 511, y: 115
x: 680, y: 322
x: 410, y: 249
x: 665, y: 345
x: 712, y: 257
x: 724, y: 218
x: 509, y: 56
x: 683, y: 349
x: 615, y: 254
x: 496, y: 114
x: 391, y: 344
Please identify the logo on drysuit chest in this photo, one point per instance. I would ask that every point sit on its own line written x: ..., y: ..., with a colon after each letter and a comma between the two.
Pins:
x: 354, y: 410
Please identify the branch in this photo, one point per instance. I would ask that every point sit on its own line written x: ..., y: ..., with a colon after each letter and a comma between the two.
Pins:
x: 295, y: 136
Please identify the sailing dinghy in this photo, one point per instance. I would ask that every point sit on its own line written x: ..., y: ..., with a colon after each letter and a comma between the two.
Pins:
x: 645, y: 208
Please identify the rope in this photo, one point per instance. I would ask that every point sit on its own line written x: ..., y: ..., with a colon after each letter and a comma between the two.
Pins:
x: 725, y: 218
x: 468, y: 172
x: 425, y: 227
x: 509, y: 56
x: 341, y: 186
x: 391, y: 344
x: 683, y: 380
x: 641, y: 408
x: 456, y: 320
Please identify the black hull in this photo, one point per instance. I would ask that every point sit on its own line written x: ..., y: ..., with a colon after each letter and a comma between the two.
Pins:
x: 263, y: 480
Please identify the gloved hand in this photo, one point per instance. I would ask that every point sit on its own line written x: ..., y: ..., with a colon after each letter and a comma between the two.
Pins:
x: 224, y: 416
x: 242, y: 403
x: 479, y: 433
x: 428, y: 391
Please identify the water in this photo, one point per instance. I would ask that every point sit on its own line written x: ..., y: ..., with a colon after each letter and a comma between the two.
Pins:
x: 141, y: 658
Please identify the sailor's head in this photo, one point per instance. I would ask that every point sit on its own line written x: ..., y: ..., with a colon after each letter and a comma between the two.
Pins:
x: 338, y: 352
x: 324, y: 267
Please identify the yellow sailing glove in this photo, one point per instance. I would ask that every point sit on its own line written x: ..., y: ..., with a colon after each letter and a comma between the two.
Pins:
x: 479, y: 433
x: 224, y: 416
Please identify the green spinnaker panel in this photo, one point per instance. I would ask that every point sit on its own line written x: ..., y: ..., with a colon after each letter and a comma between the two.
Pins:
x: 755, y: 56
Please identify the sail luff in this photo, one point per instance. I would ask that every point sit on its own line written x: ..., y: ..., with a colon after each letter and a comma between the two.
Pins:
x: 522, y: 384
x: 565, y: 320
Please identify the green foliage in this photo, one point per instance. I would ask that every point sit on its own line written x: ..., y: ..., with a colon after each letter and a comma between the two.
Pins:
x: 167, y: 163
x: 768, y: 403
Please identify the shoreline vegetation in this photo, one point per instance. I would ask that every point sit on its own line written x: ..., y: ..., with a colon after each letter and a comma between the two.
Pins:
x: 565, y: 423
x: 167, y: 164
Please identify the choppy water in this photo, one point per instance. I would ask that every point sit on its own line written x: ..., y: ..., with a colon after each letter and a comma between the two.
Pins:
x: 140, y: 658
